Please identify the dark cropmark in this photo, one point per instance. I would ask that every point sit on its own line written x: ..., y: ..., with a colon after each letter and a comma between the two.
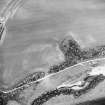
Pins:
x: 74, y: 54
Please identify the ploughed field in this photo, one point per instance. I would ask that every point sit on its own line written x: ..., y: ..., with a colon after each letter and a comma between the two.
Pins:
x: 49, y: 53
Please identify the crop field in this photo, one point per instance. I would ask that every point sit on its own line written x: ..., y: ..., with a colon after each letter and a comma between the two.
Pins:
x: 37, y: 37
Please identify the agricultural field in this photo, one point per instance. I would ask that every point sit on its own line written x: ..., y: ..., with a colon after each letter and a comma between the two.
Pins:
x: 50, y: 44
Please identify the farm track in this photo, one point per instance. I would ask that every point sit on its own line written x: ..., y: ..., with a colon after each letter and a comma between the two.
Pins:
x: 68, y: 73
